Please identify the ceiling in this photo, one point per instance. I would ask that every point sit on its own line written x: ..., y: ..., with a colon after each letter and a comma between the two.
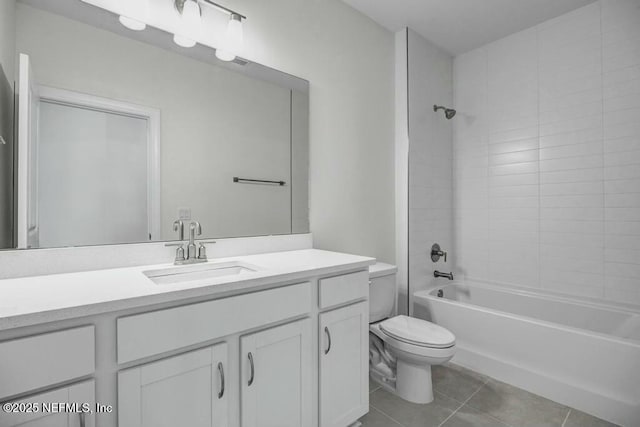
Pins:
x: 459, y: 26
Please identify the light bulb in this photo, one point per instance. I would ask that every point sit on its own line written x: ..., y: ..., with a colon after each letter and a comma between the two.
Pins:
x: 134, y: 14
x: 224, y: 55
x: 234, y: 34
x: 183, y: 41
x: 190, y: 25
x: 233, y: 38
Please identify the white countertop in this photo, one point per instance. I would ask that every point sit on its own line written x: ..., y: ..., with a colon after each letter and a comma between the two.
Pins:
x: 41, y: 299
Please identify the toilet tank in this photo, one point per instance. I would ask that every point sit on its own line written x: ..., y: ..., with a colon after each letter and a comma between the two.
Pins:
x: 382, y: 291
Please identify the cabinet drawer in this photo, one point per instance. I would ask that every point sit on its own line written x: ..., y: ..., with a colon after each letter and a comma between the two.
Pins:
x: 153, y: 333
x: 42, y: 360
x: 342, y: 289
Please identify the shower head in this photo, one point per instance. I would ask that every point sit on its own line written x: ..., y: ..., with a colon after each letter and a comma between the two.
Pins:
x: 449, y: 113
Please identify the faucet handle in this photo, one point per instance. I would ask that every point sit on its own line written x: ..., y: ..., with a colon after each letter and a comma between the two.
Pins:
x: 436, y: 253
x: 202, y: 251
x: 180, y: 254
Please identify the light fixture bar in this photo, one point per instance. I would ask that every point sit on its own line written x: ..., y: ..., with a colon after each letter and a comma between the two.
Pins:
x: 223, y: 9
x: 180, y: 4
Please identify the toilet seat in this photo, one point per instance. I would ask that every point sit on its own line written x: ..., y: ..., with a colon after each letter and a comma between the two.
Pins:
x: 430, y: 355
x: 418, y: 332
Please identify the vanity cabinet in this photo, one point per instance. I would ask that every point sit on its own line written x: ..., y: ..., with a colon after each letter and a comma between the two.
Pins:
x: 48, y: 414
x: 186, y: 390
x: 192, y: 389
x: 276, y: 368
x: 344, y: 365
x: 288, y: 353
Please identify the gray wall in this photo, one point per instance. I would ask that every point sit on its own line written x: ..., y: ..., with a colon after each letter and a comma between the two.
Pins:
x: 7, y: 64
x: 348, y: 60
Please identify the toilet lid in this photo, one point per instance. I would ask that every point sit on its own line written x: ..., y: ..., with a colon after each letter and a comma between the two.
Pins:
x: 418, y: 332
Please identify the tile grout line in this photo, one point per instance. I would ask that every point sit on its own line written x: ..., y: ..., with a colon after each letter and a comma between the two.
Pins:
x: 566, y: 418
x: 486, y: 381
x: 463, y: 403
x: 386, y: 415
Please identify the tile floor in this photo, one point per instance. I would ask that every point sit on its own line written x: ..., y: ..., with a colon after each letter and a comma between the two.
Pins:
x: 464, y: 398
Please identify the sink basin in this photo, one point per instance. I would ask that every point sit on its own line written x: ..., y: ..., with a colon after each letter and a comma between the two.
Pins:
x: 198, y: 272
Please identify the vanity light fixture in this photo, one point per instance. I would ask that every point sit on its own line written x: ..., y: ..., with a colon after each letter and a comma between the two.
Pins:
x: 190, y: 23
x: 233, y: 39
x: 134, y: 14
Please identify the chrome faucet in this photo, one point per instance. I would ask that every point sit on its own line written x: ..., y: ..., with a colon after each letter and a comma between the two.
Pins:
x: 192, y: 251
x: 195, y: 252
x: 440, y: 274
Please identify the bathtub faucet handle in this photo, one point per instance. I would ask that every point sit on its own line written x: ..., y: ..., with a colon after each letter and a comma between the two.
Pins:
x: 437, y: 252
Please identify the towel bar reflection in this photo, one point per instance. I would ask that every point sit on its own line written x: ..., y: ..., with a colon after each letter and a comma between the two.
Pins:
x: 257, y: 181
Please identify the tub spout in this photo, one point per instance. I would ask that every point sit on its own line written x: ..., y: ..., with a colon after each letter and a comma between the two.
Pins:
x: 440, y: 274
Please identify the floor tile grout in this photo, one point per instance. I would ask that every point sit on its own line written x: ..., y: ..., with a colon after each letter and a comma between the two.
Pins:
x: 466, y: 400
x: 382, y: 412
x: 486, y: 414
x: 463, y: 403
x: 386, y: 415
x: 566, y: 418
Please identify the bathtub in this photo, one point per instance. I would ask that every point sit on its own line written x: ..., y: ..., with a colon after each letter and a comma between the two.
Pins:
x: 577, y: 352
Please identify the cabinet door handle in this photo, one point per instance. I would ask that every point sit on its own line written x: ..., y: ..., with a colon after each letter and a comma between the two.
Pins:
x: 252, y: 369
x: 82, y: 419
x: 326, y: 331
x: 221, y: 371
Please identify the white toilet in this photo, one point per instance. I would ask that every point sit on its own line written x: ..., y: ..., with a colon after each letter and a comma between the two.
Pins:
x: 401, y: 348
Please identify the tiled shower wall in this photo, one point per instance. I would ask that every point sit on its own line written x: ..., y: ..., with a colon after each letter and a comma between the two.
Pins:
x: 547, y: 155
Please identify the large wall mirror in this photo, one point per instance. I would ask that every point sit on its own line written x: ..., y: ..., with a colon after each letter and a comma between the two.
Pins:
x: 120, y: 133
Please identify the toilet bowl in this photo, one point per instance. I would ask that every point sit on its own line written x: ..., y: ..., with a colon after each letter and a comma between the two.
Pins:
x: 414, y: 345
x: 402, y: 349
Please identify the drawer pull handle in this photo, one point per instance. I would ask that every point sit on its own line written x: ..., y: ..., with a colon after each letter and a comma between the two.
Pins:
x: 82, y: 419
x: 221, y: 371
x: 252, y: 369
x: 326, y: 331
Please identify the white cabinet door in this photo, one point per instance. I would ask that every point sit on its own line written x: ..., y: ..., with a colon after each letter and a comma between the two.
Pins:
x: 344, y: 365
x: 276, y: 376
x: 50, y: 414
x: 185, y: 390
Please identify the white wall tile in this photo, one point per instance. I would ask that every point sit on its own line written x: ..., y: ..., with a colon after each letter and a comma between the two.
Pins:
x: 547, y: 156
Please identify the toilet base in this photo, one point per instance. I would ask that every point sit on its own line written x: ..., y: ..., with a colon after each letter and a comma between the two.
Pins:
x: 402, y: 368
x: 414, y: 382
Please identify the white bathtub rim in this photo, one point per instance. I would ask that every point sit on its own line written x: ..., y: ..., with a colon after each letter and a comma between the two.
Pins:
x: 628, y: 308
x: 425, y: 294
